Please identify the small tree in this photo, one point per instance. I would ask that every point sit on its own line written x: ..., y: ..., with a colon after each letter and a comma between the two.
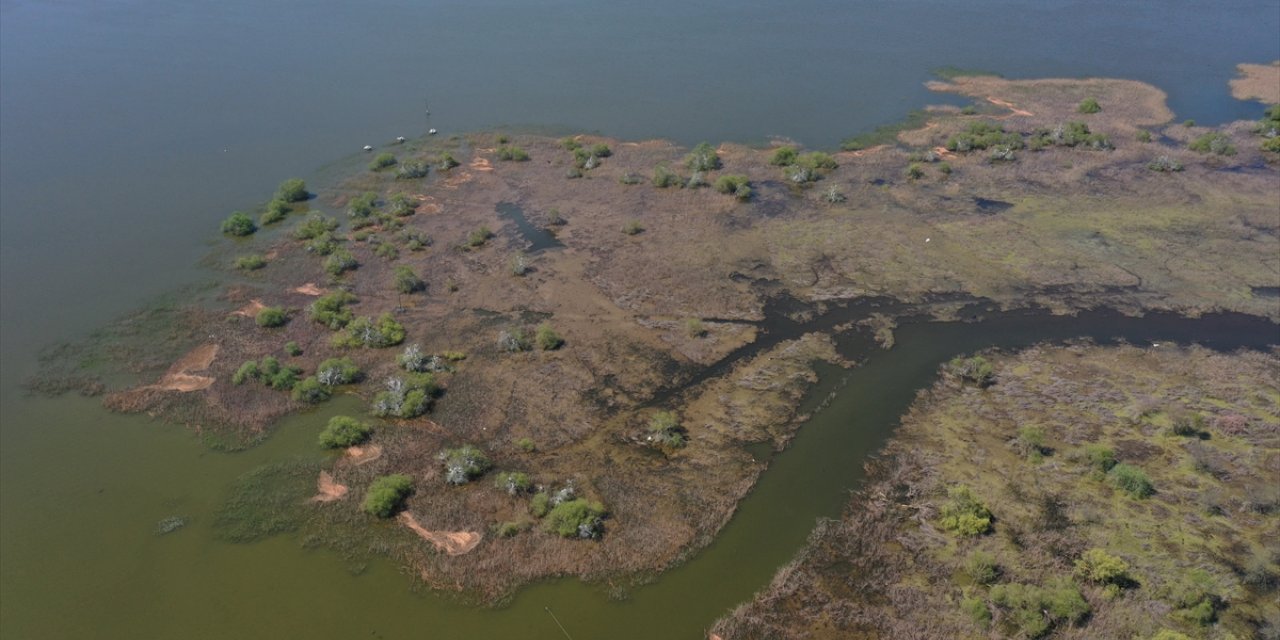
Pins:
x: 1100, y: 567
x: 783, y: 156
x: 382, y: 161
x: 463, y: 464
x: 577, y: 518
x: 342, y: 432
x: 337, y: 371
x: 387, y: 494
x: 276, y: 211
x: 238, y: 224
x: 513, y: 482
x: 292, y: 190
x: 665, y: 430
x: 1089, y: 105
x: 406, y: 281
x: 310, y: 391
x: 702, y: 158
x: 738, y: 186
x: 1131, y: 480
x: 964, y: 514
x: 339, y: 262
x: 271, y: 317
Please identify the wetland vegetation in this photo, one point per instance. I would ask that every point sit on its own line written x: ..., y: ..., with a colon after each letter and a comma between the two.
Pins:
x: 555, y: 398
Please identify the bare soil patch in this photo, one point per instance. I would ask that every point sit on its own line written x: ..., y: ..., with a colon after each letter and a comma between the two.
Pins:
x: 180, y: 376
x: 309, y: 289
x: 454, y: 543
x: 327, y: 489
x: 363, y: 454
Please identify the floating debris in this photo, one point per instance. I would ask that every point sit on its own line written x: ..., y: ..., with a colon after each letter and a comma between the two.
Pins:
x: 170, y: 524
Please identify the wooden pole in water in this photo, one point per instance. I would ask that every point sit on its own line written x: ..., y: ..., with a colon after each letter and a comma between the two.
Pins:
x: 553, y: 617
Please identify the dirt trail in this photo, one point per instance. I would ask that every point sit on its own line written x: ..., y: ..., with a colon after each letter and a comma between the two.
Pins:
x: 1014, y: 110
x: 250, y: 310
x: 454, y: 543
x: 365, y: 454
x: 328, y: 489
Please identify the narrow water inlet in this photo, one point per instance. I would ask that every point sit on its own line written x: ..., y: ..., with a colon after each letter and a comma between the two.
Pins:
x: 537, y: 238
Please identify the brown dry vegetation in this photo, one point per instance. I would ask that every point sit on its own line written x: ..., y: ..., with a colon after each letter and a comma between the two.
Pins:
x: 887, y: 569
x: 1257, y: 82
x: 1086, y: 228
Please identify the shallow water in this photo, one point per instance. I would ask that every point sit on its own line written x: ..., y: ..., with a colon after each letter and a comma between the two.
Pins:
x: 130, y: 128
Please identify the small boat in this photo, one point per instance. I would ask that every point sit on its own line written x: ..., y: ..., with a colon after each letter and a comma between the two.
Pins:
x: 368, y: 147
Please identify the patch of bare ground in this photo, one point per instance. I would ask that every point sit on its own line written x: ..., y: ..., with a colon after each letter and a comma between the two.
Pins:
x: 327, y: 490
x: 453, y: 543
x: 1257, y: 82
x: 363, y: 454
x: 1028, y: 448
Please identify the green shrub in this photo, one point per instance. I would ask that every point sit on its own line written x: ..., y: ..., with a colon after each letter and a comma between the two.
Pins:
x: 292, y: 348
x: 377, y: 334
x: 976, y: 609
x: 1271, y: 145
x: 964, y: 514
x: 540, y: 504
x: 601, y: 150
x: 944, y: 168
x: 702, y: 158
x: 339, y: 262
x: 632, y: 227
x: 387, y: 494
x: 331, y: 309
x: 463, y: 464
x: 526, y: 445
x: 1033, y: 611
x: 1213, y: 142
x: 1089, y: 105
x: 401, y: 205
x: 817, y: 161
x: 914, y: 171
x: 981, y: 567
x: 547, y: 338
x: 737, y: 185
x: 974, y: 370
x: 386, y: 251
x: 665, y: 430
x: 250, y: 262
x: 238, y: 224
x: 406, y: 397
x: 269, y: 372
x: 1069, y: 134
x: 570, y: 143
x: 310, y: 391
x: 382, y: 161
x: 314, y: 226
x: 1188, y: 123
x: 446, y: 161
x: 1143, y: 135
x: 292, y: 190
x: 336, y: 371
x: 342, y: 432
x: 512, y: 153
x: 983, y: 135
x: 412, y: 170
x: 247, y: 371
x: 363, y: 205
x: 276, y: 211
x: 664, y: 177
x: 271, y: 317
x: 1101, y: 457
x: 478, y: 237
x: 1131, y: 480
x: 577, y: 519
x: 1196, y: 597
x: 695, y: 328
x: 783, y: 156
x: 508, y: 529
x: 406, y: 281
x: 513, y: 482
x: 1100, y: 567
x: 631, y: 178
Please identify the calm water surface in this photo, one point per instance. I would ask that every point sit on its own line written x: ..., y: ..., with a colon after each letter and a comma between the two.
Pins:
x: 129, y: 128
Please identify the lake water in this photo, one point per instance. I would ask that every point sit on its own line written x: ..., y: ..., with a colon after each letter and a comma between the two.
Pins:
x: 129, y: 128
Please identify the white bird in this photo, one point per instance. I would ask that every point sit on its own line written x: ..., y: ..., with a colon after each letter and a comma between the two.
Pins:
x: 399, y: 138
x: 431, y: 131
x: 927, y: 239
x: 368, y: 147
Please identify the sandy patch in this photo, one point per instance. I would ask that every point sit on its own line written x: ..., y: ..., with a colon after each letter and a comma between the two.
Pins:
x: 365, y: 454
x: 250, y: 310
x: 180, y: 377
x: 1013, y: 109
x: 1257, y: 82
x: 454, y: 543
x: 310, y: 289
x: 861, y: 152
x: 328, y: 489
x: 481, y: 164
